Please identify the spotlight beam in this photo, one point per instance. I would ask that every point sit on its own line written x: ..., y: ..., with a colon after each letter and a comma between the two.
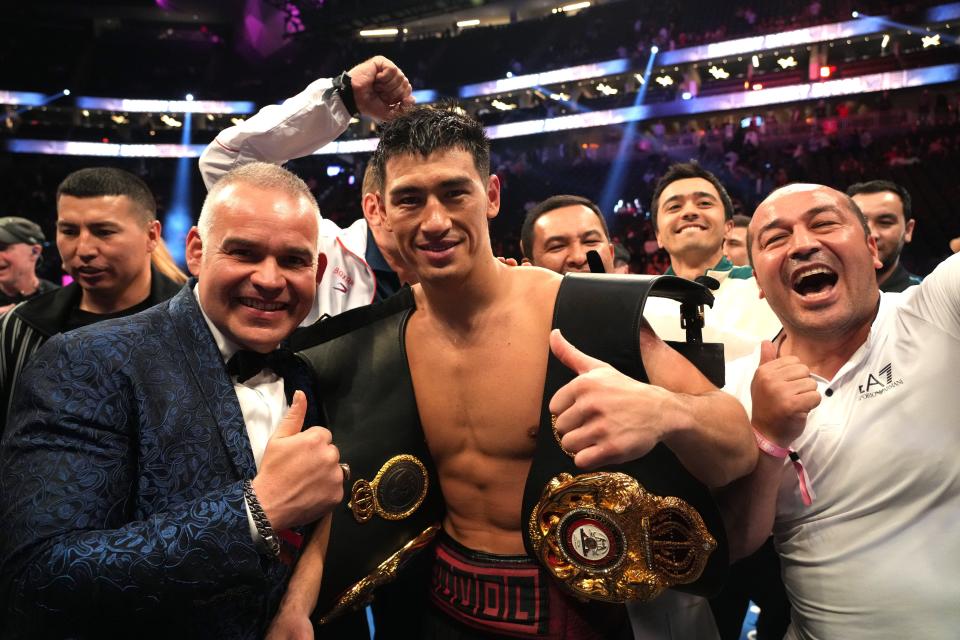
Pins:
x: 178, y: 220
x: 618, y: 170
x: 921, y: 31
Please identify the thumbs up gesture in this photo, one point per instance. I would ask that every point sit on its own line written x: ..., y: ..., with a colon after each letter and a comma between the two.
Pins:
x: 300, y: 478
x: 783, y: 394
x: 603, y: 416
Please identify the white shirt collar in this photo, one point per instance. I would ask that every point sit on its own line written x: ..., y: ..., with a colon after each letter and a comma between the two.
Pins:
x: 226, y: 346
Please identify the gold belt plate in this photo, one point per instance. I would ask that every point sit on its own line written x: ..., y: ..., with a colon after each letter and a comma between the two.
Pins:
x: 605, y: 537
x: 397, y: 490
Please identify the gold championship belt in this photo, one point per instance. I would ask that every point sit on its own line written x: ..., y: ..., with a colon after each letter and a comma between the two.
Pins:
x: 606, y: 538
x: 393, y: 505
x: 628, y: 531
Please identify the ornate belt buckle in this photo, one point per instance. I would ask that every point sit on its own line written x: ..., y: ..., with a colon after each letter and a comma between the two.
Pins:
x: 397, y: 490
x: 606, y: 538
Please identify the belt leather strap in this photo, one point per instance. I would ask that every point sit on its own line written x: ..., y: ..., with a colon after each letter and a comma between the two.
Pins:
x: 361, y: 376
x: 601, y: 315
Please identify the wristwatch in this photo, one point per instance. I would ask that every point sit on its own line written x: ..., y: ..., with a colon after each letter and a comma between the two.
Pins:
x: 343, y: 86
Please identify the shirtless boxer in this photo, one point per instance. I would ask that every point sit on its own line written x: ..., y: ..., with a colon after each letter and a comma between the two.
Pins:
x: 476, y: 346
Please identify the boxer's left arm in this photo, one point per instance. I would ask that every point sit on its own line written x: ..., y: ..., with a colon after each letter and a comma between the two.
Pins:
x: 605, y: 417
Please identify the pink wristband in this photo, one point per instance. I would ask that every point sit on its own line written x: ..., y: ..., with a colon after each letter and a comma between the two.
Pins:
x: 775, y: 450
x: 770, y: 448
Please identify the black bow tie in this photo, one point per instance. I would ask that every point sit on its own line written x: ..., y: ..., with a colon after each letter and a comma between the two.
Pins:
x: 245, y: 364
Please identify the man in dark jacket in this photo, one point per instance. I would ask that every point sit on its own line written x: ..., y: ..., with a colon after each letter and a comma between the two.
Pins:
x: 107, y: 230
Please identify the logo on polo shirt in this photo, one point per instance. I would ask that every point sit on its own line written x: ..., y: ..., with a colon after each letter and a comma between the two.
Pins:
x: 344, y: 280
x: 879, y: 383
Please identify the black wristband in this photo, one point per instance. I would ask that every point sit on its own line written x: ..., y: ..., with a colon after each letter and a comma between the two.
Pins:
x: 260, y: 519
x: 343, y: 85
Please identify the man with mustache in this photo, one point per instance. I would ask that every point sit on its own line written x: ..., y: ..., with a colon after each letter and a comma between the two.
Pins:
x: 853, y: 407
x: 107, y: 230
x: 558, y: 232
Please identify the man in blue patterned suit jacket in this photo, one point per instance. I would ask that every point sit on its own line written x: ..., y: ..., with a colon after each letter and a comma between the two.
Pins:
x: 123, y: 499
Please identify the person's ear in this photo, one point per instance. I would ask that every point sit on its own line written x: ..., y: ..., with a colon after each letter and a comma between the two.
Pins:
x: 153, y: 235
x: 908, y: 231
x: 371, y: 209
x: 493, y: 196
x: 194, y: 251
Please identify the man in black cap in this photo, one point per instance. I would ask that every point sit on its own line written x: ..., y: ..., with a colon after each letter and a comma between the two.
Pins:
x: 21, y: 246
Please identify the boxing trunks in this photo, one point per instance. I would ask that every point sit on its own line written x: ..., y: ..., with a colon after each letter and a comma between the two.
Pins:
x: 481, y: 595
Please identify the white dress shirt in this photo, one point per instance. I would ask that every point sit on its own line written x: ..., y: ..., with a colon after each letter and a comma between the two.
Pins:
x: 262, y: 401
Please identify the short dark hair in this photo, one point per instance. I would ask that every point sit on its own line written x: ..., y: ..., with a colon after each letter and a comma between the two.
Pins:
x: 426, y: 129
x: 741, y: 220
x: 94, y: 182
x: 548, y: 205
x: 879, y: 186
x: 683, y: 171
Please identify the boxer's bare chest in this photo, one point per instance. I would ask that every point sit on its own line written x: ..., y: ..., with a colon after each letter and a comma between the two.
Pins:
x: 479, y: 389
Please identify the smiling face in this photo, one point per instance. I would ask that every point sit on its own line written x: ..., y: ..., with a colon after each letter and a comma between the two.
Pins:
x: 438, y: 207
x: 17, y: 264
x: 257, y: 268
x: 884, y: 214
x: 690, y: 219
x: 813, y: 261
x: 106, y: 243
x: 563, y: 236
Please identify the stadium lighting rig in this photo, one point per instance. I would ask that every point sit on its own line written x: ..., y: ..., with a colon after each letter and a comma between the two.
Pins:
x: 718, y: 73
x: 571, y: 8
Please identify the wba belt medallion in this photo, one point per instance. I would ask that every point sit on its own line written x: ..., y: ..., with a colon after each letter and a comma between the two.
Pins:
x: 625, y: 531
x: 606, y: 538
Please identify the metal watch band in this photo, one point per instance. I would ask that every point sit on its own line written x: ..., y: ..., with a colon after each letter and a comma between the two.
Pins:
x: 260, y: 519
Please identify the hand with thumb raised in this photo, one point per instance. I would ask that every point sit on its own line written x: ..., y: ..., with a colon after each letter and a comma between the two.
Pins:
x: 783, y: 393
x: 300, y: 478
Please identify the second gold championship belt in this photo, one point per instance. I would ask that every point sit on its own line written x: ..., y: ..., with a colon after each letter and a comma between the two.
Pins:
x: 629, y: 531
x: 393, y: 506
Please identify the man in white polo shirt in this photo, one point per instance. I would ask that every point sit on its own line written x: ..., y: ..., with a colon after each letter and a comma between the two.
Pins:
x: 857, y: 396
